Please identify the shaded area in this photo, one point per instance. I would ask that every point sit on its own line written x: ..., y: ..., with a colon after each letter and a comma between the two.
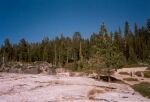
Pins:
x: 143, y: 88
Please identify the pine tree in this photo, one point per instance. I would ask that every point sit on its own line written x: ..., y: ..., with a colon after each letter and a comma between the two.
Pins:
x: 76, y: 45
x: 148, y: 25
x: 118, y: 40
x: 23, y: 50
x: 103, y: 30
x: 7, y: 50
x: 126, y: 40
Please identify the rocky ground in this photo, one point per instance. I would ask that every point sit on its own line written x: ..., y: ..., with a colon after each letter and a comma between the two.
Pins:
x: 133, y: 71
x: 59, y: 88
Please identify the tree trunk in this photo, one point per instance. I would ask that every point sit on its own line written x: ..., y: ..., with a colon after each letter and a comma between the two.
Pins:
x: 67, y: 55
x: 109, y: 79
x: 80, y: 53
x: 55, y: 56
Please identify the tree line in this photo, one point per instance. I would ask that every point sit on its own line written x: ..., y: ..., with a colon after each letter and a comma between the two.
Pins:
x: 102, y: 49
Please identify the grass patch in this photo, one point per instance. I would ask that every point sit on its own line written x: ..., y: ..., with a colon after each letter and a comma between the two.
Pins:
x: 130, y: 79
x: 143, y: 88
x: 146, y: 74
x: 124, y: 73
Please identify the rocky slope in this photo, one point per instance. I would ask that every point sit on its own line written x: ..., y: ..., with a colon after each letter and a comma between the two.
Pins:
x: 56, y: 88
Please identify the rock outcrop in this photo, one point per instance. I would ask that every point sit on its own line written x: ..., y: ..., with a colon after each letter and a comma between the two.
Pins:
x: 52, y: 88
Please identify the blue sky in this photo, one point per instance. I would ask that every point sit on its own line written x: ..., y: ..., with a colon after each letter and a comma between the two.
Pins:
x: 35, y: 19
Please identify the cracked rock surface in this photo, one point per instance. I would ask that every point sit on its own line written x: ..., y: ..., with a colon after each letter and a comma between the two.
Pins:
x: 52, y: 88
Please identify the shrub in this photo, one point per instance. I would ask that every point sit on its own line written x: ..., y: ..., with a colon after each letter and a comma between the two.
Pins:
x: 143, y: 88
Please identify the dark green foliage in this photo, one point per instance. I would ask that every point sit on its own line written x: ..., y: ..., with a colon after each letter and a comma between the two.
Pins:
x: 143, y: 88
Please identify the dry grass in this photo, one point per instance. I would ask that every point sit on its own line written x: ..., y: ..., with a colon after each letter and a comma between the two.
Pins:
x: 58, y: 82
x: 93, y: 92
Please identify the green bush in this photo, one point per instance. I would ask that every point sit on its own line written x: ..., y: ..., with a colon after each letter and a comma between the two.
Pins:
x: 143, y: 88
